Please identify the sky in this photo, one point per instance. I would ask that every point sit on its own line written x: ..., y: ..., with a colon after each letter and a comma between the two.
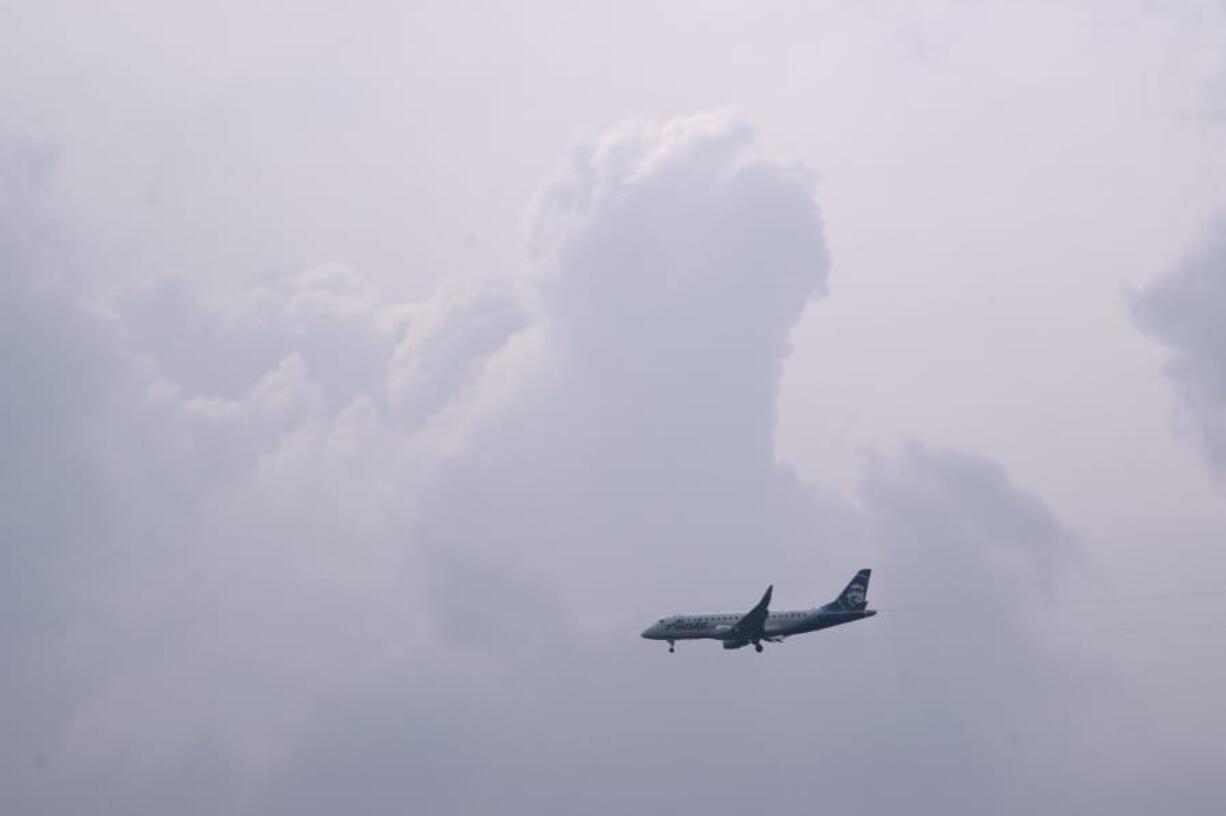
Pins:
x: 373, y: 375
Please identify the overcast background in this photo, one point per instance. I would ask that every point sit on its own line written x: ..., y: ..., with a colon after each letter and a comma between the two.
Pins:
x: 373, y: 375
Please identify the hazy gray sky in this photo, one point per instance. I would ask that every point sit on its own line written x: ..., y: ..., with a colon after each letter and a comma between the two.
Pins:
x: 373, y: 375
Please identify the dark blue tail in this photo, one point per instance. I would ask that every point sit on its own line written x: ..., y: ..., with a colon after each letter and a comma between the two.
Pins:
x: 855, y: 596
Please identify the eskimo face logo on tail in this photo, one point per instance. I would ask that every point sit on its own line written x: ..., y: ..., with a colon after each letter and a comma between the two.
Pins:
x: 855, y: 595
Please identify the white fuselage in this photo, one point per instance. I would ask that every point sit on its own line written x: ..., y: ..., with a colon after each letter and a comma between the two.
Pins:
x: 778, y: 624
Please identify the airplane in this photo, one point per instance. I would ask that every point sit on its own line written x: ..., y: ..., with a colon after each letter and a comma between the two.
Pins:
x: 760, y: 624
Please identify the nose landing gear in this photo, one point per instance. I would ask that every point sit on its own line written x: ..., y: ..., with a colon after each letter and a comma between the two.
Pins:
x: 671, y: 647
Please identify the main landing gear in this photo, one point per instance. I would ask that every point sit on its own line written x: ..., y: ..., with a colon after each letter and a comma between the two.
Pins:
x: 671, y: 648
x: 757, y: 647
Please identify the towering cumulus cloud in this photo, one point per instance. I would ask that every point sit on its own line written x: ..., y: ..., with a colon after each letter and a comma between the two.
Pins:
x: 669, y: 264
x: 296, y: 550
x: 1186, y: 310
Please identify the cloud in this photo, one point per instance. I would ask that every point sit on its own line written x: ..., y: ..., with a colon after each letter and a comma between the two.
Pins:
x: 299, y: 549
x: 954, y: 521
x: 1184, y: 311
x: 221, y: 343
x: 675, y: 263
x: 63, y: 384
x: 444, y: 351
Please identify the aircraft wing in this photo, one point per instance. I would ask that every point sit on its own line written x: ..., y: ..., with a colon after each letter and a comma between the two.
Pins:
x: 753, y: 625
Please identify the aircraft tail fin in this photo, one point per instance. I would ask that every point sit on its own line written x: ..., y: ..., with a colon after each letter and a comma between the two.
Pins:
x: 855, y: 596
